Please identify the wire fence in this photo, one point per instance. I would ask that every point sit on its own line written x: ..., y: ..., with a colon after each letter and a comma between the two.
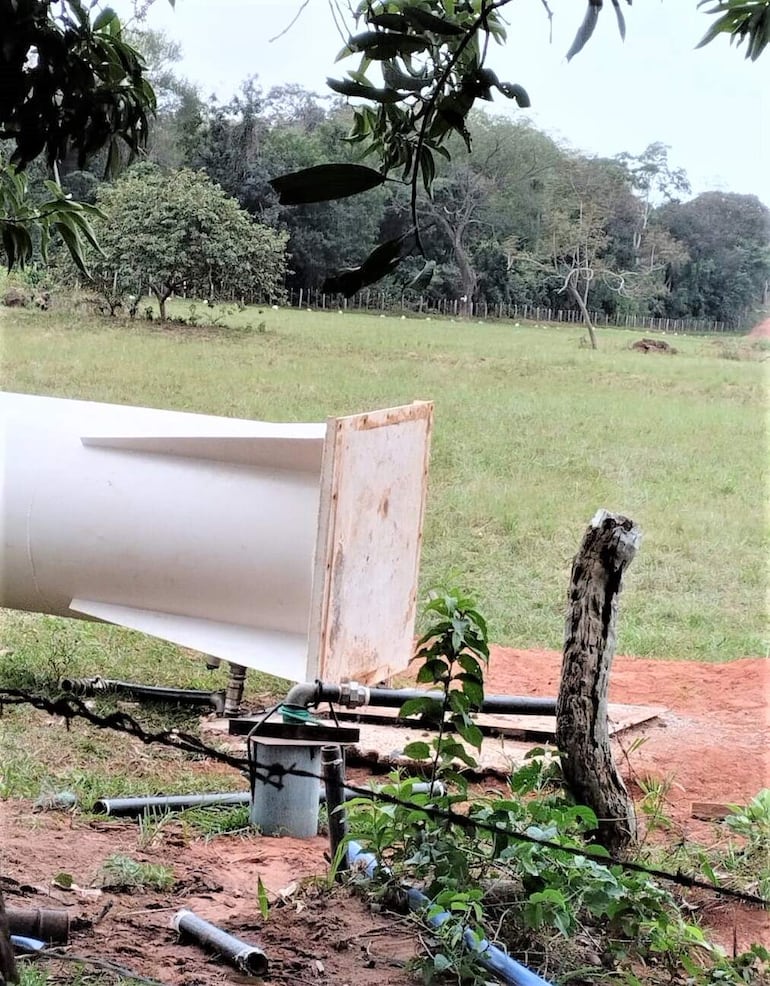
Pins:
x: 275, y: 774
x: 381, y: 301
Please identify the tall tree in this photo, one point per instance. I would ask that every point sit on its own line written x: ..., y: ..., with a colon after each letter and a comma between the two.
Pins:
x: 727, y: 238
x: 655, y: 181
x: 178, y: 231
x: 575, y: 252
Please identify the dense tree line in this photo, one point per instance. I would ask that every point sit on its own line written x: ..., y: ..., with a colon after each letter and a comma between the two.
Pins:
x: 520, y: 220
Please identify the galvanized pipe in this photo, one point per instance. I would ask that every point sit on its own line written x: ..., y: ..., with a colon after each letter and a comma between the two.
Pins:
x: 235, y: 685
x: 247, y: 958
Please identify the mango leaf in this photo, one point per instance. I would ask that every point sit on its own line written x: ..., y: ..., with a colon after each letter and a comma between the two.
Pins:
x: 347, y: 87
x: 397, y: 79
x: 392, y: 22
x: 512, y: 91
x: 324, y: 182
x: 428, y: 168
x: 105, y: 18
x: 749, y: 21
x: 423, y: 20
x: 380, y: 46
x: 381, y: 261
x: 423, y: 278
x: 473, y: 688
x: 620, y: 18
x: 586, y: 29
x: 469, y: 664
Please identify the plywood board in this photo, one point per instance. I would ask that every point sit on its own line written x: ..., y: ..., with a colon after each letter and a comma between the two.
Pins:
x: 373, y: 487
x: 621, y: 718
x: 385, y: 745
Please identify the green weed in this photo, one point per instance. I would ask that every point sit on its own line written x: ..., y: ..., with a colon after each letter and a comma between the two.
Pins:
x: 122, y: 872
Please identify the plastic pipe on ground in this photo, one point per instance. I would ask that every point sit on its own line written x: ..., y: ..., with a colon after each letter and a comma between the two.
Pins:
x: 50, y: 924
x: 247, y: 958
x: 132, y: 807
x: 492, y: 957
x: 24, y: 944
x: 172, y: 802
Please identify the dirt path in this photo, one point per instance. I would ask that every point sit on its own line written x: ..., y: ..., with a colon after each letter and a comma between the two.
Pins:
x: 713, y: 744
x: 761, y: 331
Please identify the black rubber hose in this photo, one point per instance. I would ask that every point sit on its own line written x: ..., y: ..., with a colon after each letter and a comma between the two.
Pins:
x: 188, y: 696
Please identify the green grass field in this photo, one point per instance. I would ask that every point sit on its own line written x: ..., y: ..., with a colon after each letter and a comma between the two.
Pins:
x: 533, y: 433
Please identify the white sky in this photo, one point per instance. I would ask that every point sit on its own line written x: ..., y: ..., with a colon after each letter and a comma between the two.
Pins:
x: 711, y: 106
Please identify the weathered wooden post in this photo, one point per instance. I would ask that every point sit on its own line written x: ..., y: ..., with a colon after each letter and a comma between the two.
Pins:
x: 582, y: 733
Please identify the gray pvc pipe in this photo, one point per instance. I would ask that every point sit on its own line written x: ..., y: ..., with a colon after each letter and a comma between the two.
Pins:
x: 247, y: 958
x: 491, y: 956
x: 131, y: 807
x: 171, y: 802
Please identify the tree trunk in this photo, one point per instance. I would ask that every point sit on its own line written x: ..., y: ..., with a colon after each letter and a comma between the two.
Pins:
x: 162, y: 294
x: 7, y: 964
x: 582, y: 732
x: 573, y: 291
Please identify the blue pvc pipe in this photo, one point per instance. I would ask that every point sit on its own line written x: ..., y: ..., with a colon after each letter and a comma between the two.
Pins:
x: 492, y: 957
x: 27, y: 944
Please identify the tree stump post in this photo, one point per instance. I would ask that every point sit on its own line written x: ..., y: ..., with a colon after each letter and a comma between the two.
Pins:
x: 582, y: 732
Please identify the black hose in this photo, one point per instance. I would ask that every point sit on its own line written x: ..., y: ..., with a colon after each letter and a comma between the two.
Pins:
x: 524, y: 705
x: 188, y: 696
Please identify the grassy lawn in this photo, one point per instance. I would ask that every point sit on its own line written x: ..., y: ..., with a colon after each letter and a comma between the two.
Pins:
x: 533, y: 434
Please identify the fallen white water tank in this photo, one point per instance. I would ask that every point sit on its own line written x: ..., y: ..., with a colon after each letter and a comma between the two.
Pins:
x: 289, y: 548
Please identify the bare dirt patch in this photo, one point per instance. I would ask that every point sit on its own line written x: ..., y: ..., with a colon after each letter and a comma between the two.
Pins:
x: 761, y: 331
x: 712, y: 744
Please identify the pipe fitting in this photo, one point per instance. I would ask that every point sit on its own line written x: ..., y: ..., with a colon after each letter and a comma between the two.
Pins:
x: 303, y: 695
x: 352, y: 694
